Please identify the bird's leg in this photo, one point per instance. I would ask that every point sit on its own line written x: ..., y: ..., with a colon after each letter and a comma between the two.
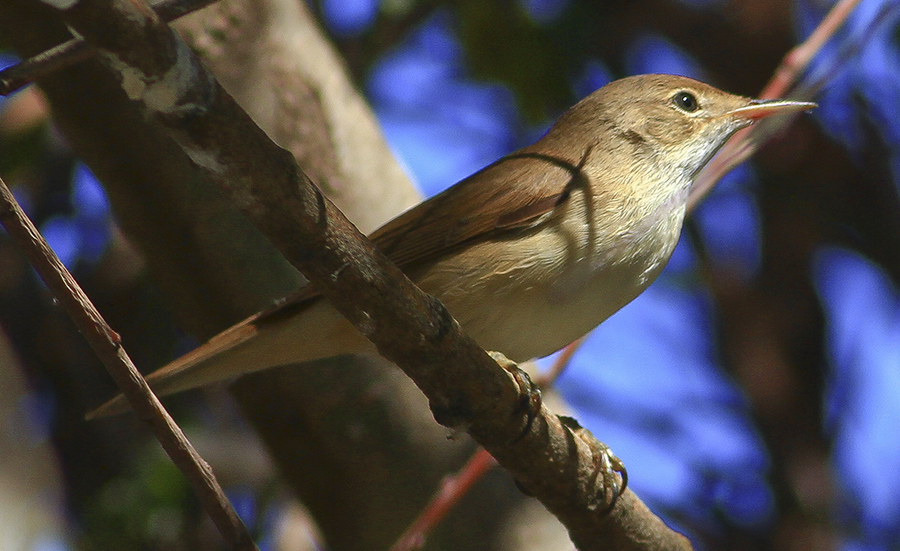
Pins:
x: 606, y: 465
x: 529, y: 393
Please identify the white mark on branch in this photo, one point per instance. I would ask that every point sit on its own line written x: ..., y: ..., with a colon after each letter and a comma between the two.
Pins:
x: 126, y: 10
x: 204, y: 158
x: 61, y: 4
x: 365, y: 324
x: 337, y: 273
x: 165, y: 94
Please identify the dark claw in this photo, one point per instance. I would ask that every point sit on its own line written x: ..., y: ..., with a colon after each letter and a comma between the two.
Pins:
x: 606, y: 464
x: 609, y: 466
x: 529, y: 394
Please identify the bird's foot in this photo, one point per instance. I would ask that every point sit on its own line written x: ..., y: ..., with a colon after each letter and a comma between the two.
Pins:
x: 606, y: 465
x: 529, y: 393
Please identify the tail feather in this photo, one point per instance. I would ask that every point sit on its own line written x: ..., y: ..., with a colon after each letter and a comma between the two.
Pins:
x: 288, y: 334
x: 203, y: 365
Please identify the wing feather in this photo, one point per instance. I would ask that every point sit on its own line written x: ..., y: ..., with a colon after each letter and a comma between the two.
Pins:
x: 513, y: 193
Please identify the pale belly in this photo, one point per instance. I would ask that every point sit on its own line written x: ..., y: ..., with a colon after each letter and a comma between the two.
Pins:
x: 525, y: 298
x: 537, y: 301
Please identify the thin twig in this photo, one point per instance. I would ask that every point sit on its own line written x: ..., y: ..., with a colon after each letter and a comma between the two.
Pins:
x: 826, y: 71
x: 107, y: 344
x: 743, y: 144
x: 549, y: 377
x: 73, y: 51
x: 452, y: 489
x: 798, y: 59
x: 455, y: 486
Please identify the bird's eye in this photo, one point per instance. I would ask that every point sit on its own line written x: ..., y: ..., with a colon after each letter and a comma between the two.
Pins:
x: 686, y: 101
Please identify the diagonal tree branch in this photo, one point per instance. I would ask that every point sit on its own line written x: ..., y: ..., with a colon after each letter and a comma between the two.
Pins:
x: 75, y: 50
x: 410, y: 328
x: 214, y: 268
x: 108, y: 347
x: 784, y: 81
x: 454, y: 486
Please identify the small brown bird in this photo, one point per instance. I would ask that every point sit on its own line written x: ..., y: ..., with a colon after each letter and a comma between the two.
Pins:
x: 531, y: 252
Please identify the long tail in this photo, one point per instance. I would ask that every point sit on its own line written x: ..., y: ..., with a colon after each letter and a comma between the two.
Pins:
x: 282, y: 336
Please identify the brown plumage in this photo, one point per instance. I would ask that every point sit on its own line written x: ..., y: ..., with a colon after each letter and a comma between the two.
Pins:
x: 531, y: 252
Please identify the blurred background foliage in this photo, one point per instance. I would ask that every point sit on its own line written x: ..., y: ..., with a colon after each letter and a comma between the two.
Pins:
x: 753, y: 391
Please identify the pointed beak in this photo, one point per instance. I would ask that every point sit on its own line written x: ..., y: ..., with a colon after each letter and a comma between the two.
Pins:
x: 762, y: 108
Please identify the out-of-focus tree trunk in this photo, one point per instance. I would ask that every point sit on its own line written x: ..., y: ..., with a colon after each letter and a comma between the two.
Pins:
x: 30, y: 482
x: 353, y: 438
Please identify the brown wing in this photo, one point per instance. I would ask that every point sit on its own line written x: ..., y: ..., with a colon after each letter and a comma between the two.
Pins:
x: 514, y: 192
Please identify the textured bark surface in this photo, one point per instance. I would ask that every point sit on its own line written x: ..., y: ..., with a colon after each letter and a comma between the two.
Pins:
x: 353, y: 438
x: 558, y: 461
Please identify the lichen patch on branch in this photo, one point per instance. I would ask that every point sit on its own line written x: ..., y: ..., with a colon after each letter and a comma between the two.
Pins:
x: 167, y: 95
x: 205, y: 158
x: 61, y: 4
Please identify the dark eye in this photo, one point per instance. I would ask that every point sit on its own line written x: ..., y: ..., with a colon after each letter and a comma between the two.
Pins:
x: 686, y: 101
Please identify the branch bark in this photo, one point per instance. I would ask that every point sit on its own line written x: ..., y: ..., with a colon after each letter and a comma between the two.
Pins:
x: 108, y: 346
x: 214, y: 269
x: 410, y: 328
